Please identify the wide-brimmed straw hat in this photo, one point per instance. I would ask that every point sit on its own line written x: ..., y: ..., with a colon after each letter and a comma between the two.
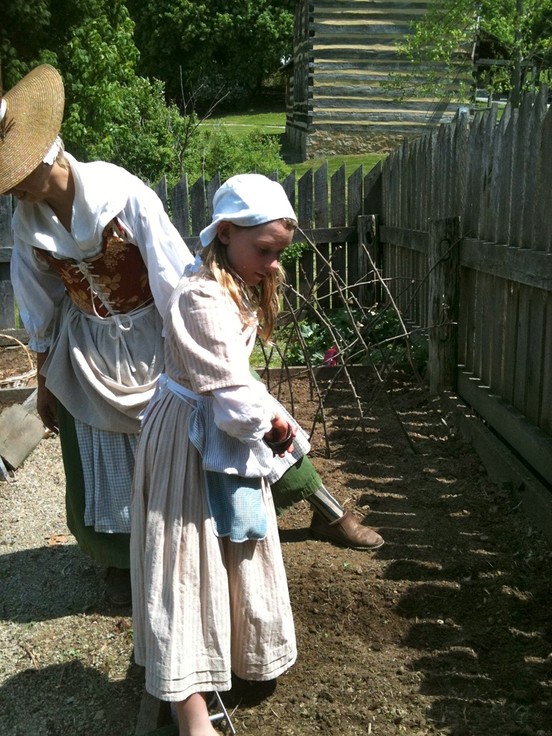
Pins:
x: 247, y: 200
x: 31, y: 113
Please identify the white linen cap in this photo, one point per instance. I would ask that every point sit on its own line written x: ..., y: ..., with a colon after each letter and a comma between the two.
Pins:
x: 247, y: 200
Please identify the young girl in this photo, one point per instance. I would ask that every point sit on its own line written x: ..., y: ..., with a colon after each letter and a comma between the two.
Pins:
x: 209, y: 588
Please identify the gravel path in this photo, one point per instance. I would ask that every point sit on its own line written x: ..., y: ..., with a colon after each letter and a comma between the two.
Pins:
x: 66, y: 665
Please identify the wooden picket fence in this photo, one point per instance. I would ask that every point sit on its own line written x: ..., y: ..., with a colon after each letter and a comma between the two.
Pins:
x: 473, y: 198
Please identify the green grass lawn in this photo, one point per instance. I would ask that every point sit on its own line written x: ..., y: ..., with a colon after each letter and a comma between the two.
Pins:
x: 267, y: 122
x: 274, y: 123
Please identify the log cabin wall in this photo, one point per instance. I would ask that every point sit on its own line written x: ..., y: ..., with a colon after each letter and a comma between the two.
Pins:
x: 343, y: 51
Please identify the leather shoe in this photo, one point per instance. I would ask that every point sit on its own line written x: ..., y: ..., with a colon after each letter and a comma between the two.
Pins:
x: 117, y: 586
x: 345, y: 532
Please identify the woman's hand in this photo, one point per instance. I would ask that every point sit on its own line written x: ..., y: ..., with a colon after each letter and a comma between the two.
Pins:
x: 46, y: 406
x: 46, y: 402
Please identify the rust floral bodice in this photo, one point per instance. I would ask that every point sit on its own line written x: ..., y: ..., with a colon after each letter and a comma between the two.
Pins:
x: 113, y: 282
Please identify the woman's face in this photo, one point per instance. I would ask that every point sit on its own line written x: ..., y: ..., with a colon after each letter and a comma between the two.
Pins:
x: 35, y: 187
x: 254, y: 252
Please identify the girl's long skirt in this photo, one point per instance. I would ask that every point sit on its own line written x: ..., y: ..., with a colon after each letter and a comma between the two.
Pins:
x: 203, y: 607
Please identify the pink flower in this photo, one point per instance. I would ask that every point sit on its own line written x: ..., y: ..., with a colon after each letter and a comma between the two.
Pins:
x: 330, y: 356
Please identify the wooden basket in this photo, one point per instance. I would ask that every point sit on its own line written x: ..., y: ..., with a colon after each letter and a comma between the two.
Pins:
x: 24, y: 379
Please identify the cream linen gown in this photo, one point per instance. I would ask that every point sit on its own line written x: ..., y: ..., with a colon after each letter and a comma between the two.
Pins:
x: 203, y: 606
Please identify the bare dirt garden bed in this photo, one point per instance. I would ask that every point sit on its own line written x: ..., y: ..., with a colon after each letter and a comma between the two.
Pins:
x: 445, y: 630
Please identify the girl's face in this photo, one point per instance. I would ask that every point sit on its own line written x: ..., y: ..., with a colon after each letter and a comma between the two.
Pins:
x: 254, y: 252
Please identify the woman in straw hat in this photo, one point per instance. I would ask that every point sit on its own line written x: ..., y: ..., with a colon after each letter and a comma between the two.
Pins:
x: 95, y: 259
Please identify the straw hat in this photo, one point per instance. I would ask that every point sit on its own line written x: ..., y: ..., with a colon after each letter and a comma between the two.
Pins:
x: 30, y: 119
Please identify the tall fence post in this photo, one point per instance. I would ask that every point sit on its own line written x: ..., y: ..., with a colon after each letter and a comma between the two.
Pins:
x: 368, y: 260
x: 443, y: 297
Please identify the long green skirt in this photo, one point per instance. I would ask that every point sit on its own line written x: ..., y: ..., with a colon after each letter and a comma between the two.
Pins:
x: 111, y: 550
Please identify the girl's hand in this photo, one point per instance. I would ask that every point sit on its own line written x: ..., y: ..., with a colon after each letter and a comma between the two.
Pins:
x: 280, y: 437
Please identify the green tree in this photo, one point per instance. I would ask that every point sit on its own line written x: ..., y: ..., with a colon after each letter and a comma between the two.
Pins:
x: 110, y: 112
x: 204, y: 50
x: 446, y: 38
x: 23, y: 34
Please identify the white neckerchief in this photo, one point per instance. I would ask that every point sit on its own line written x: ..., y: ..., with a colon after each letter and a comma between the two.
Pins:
x: 100, y: 194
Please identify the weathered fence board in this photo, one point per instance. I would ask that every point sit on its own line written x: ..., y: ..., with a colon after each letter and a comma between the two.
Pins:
x: 443, y: 304
x: 542, y: 234
x: 545, y: 421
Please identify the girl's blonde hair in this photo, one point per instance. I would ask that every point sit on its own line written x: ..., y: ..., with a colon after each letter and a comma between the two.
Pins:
x: 262, y: 298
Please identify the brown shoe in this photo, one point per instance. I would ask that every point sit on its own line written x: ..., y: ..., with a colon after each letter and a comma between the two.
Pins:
x: 346, y: 532
x: 117, y: 586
